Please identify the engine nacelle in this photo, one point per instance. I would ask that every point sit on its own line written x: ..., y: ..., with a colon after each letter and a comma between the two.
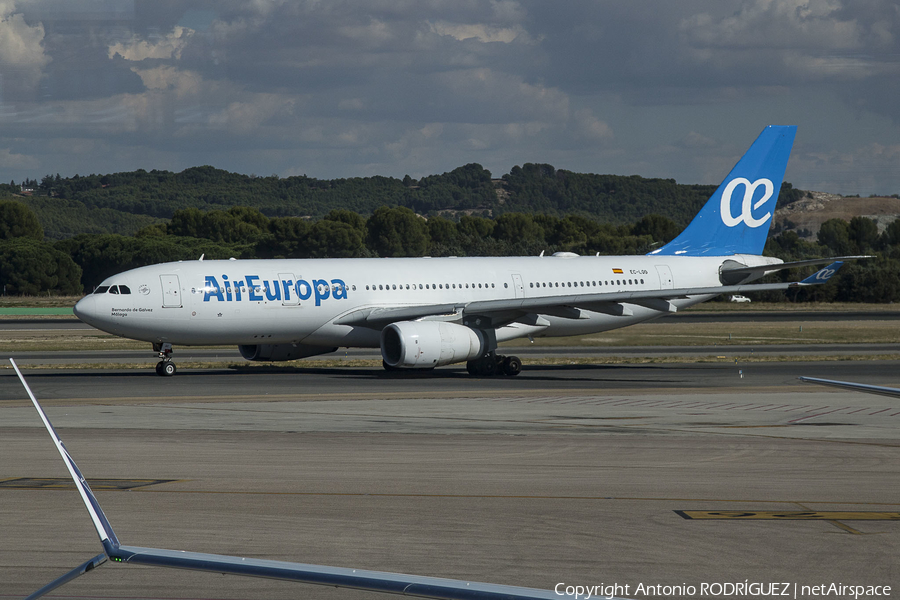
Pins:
x: 279, y: 352
x: 428, y: 344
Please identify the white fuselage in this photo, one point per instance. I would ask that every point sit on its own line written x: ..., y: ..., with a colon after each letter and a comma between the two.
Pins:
x: 298, y: 301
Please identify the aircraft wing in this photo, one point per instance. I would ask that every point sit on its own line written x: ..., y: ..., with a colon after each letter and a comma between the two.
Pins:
x: 858, y: 387
x: 376, y: 581
x: 569, y: 306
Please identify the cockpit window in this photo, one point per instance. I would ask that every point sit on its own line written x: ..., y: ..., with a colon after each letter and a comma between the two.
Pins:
x: 124, y: 289
x: 102, y: 289
x: 114, y: 289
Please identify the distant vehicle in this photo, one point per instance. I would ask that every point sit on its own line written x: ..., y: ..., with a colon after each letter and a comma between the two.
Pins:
x: 739, y: 298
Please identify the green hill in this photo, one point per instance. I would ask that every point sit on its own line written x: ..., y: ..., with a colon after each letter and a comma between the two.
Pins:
x: 125, y: 202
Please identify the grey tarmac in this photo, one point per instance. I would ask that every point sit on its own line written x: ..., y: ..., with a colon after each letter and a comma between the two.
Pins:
x: 567, y: 474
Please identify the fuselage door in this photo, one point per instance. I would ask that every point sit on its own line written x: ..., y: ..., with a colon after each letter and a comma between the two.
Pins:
x: 171, y: 291
x: 665, y: 277
x: 518, y: 286
x: 288, y: 284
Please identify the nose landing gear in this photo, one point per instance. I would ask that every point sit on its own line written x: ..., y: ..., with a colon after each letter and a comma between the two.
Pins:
x: 165, y: 367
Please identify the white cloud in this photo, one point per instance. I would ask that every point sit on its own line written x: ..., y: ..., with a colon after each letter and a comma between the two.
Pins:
x: 479, y: 31
x: 870, y: 168
x: 22, y: 54
x: 138, y: 49
x: 183, y: 82
x: 815, y: 39
x: 778, y: 24
x: 590, y: 127
x: 488, y: 95
x: 373, y: 33
x: 10, y: 160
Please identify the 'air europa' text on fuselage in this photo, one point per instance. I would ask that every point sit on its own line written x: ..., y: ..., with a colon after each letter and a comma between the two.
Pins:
x: 254, y: 289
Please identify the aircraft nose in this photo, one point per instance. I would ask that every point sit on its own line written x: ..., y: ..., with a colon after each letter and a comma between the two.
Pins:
x: 86, y: 309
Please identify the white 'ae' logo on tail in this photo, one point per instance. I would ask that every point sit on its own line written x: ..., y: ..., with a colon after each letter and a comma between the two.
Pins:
x: 825, y: 274
x: 746, y: 209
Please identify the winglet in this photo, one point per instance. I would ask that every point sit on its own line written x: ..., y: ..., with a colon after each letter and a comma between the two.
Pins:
x: 823, y: 275
x: 101, y: 524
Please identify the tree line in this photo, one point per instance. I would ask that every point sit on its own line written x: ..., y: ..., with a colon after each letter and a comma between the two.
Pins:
x: 31, y: 264
x: 126, y: 202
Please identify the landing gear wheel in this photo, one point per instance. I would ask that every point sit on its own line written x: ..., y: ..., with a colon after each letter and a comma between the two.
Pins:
x: 488, y: 367
x: 495, y: 364
x: 166, y: 368
x: 512, y: 366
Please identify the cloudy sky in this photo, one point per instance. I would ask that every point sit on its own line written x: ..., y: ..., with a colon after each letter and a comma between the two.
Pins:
x: 334, y: 88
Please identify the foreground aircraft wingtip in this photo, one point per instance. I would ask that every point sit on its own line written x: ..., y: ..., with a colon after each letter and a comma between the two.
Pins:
x: 397, y: 583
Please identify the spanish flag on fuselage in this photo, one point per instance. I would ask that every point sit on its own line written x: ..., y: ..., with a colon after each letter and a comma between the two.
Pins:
x: 618, y: 271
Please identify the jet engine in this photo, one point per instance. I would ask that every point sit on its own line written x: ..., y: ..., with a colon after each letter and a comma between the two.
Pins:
x: 428, y: 344
x: 279, y: 352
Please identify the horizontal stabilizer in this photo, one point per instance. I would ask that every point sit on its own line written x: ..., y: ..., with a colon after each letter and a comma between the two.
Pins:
x: 823, y: 275
x: 736, y: 275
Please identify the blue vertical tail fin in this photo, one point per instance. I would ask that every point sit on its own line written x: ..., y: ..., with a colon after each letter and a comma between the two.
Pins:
x: 737, y: 217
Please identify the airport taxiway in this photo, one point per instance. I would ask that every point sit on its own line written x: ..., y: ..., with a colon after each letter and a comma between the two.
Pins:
x: 567, y: 474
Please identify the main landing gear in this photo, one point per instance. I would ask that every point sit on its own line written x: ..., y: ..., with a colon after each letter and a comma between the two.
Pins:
x: 495, y: 364
x: 165, y: 367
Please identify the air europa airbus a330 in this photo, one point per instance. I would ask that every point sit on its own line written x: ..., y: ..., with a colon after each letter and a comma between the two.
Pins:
x: 429, y: 312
